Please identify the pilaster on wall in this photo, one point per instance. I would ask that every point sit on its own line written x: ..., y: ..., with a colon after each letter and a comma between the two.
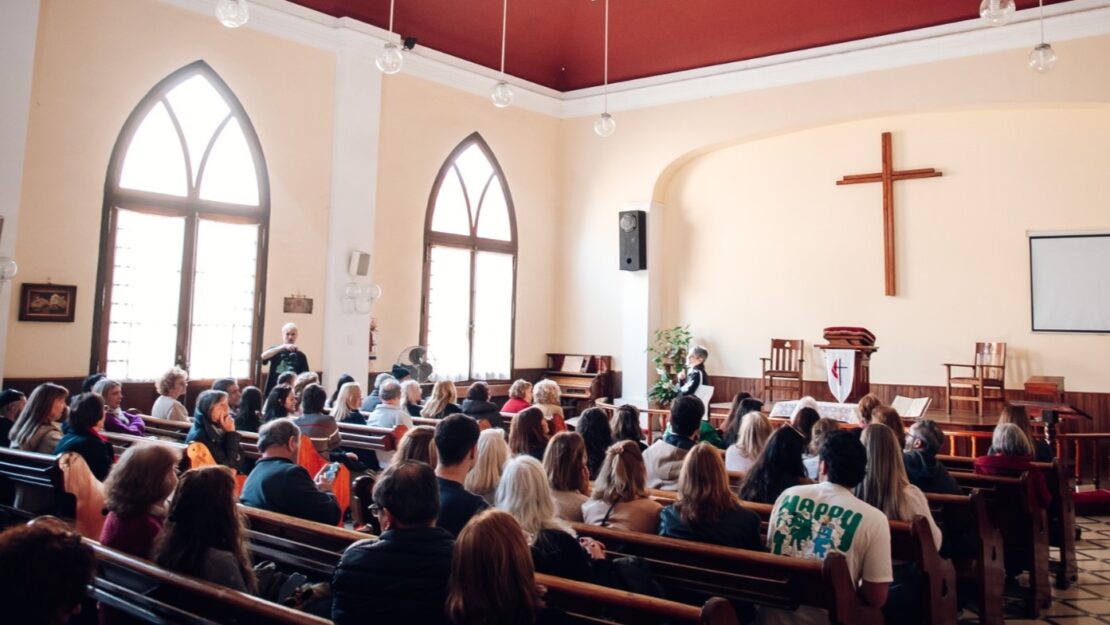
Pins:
x: 18, y: 32
x: 358, y: 87
x: 640, y: 308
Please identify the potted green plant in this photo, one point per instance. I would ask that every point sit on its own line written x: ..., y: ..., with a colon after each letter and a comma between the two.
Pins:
x: 668, y: 354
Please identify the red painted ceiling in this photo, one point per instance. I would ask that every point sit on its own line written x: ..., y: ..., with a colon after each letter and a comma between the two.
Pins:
x: 558, y: 43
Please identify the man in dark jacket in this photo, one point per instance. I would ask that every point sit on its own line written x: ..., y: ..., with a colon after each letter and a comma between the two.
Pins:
x: 923, y: 442
x: 279, y: 484
x: 401, y: 577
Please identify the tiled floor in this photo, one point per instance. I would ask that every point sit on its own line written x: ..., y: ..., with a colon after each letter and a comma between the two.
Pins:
x: 1088, y: 602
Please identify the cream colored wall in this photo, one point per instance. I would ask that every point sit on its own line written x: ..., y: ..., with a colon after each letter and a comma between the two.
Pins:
x: 422, y: 122
x: 806, y: 136
x: 95, y: 60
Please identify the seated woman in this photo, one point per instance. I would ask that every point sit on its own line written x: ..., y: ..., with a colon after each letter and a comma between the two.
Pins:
x: 82, y: 435
x: 889, y: 417
x: 412, y: 397
x: 626, y: 426
x: 302, y: 382
x: 706, y: 510
x: 755, y: 429
x: 477, y: 406
x: 214, y: 428
x: 135, y: 497
x: 546, y: 395
x: 619, y: 498
x: 493, y: 452
x: 778, y: 467
x: 322, y: 429
x: 567, y: 474
x: 248, y: 418
x: 116, y: 419
x: 866, y: 407
x: 742, y: 404
x: 418, y: 444
x: 442, y: 401
x: 343, y: 379
x: 1042, y: 451
x: 594, y: 428
x: 520, y: 397
x: 345, y: 407
x: 812, y: 457
x: 170, y: 387
x: 1011, y: 453
x: 204, y: 536
x: 556, y: 550
x: 37, y: 427
x: 493, y: 581
x: 885, y: 485
x: 280, y: 404
x: 528, y: 434
x: 803, y: 421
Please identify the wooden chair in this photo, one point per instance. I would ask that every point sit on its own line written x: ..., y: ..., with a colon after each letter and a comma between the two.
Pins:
x: 783, y: 370
x: 988, y: 372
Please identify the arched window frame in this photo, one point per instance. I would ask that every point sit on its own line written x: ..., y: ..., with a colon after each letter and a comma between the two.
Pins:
x: 472, y: 242
x: 191, y: 207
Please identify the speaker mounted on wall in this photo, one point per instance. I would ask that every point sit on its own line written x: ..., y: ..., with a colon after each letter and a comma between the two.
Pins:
x: 359, y: 265
x: 633, y: 233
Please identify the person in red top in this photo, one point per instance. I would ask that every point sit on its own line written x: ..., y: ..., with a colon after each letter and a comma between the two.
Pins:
x: 1012, y: 454
x: 135, y: 497
x: 520, y: 397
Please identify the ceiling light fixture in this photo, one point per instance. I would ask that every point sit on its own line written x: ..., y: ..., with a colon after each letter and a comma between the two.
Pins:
x: 1043, y: 57
x: 605, y: 124
x: 997, y: 12
x: 502, y: 94
x: 390, y: 60
x: 232, y: 13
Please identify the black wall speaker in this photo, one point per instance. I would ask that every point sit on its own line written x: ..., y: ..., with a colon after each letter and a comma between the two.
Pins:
x: 633, y: 229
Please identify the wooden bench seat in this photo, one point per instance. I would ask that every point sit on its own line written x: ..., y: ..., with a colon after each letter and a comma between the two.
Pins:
x: 974, y: 545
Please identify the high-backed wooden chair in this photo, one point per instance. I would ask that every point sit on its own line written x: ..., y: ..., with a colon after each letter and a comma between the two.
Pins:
x: 987, y: 379
x: 783, y: 370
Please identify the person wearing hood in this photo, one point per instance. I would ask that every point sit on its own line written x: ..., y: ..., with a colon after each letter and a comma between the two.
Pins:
x: 81, y: 434
x: 214, y: 427
x: 923, y: 442
x: 477, y: 406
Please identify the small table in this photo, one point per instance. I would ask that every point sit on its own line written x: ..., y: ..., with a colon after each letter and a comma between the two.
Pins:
x: 1045, y: 388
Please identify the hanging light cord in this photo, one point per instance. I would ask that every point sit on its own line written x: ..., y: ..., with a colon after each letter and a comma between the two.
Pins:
x: 1040, y: 3
x: 504, y: 18
x: 391, y: 15
x: 605, y: 88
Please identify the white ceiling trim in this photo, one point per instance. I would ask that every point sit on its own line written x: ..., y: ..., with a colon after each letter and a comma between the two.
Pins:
x: 1064, y: 21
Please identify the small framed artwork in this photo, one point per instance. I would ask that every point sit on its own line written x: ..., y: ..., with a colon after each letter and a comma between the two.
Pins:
x: 298, y: 304
x: 47, y: 302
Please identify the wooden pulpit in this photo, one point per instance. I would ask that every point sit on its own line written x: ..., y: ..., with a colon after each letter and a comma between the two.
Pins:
x: 859, y: 341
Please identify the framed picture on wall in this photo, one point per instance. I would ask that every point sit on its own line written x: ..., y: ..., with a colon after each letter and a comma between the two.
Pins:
x: 47, y: 302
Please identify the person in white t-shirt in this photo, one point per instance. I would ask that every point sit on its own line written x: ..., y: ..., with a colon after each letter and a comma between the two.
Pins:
x: 812, y: 520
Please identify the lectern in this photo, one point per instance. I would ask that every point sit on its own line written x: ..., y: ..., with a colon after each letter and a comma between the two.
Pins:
x: 848, y: 362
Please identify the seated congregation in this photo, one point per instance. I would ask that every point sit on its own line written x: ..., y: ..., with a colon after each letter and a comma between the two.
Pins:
x: 472, y: 505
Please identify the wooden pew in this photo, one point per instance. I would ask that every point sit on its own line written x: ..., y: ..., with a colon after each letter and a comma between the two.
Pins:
x: 974, y: 545
x: 33, y: 472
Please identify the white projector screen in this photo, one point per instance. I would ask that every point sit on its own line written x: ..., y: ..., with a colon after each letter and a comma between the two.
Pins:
x: 1070, y: 282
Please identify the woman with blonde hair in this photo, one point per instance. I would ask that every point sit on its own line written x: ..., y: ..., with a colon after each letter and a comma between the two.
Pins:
x: 1042, y: 451
x: 135, y: 497
x: 528, y: 434
x: 707, y: 510
x: 525, y: 494
x: 493, y: 581
x: 545, y: 396
x: 345, y: 407
x: 411, y: 396
x: 619, y: 499
x: 170, y: 386
x: 1010, y: 455
x: 885, y: 485
x: 417, y: 444
x: 36, y: 428
x: 755, y: 429
x: 520, y: 397
x: 567, y: 474
x: 443, y: 401
x: 485, y: 475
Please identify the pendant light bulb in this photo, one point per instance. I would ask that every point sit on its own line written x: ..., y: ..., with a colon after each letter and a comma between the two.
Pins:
x: 997, y: 12
x: 605, y: 125
x: 1042, y: 59
x: 390, y: 59
x: 232, y: 13
x: 501, y: 94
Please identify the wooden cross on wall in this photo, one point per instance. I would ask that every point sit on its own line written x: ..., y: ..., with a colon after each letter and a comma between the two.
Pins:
x: 888, y: 177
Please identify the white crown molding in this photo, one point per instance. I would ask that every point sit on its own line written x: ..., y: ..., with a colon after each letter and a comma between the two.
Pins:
x: 1063, y: 21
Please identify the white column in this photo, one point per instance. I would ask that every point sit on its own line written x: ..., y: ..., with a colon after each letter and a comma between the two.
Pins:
x: 640, y: 309
x: 355, y: 133
x: 18, y: 32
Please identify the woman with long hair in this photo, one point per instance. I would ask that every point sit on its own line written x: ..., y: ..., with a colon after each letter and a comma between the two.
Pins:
x: 804, y: 420
x: 82, y: 434
x: 281, y: 403
x: 135, y: 497
x: 755, y: 429
x: 493, y: 581
x: 214, y: 428
x: 889, y: 417
x: 567, y: 474
x: 528, y: 434
x: 344, y: 378
x: 546, y: 395
x: 707, y: 510
x: 345, y: 406
x: 619, y: 498
x: 37, y: 427
x: 778, y: 467
x: 742, y: 404
x: 626, y: 426
x: 1042, y: 451
x: 493, y: 452
x: 525, y: 494
x: 594, y: 428
x: 865, y: 408
x: 248, y: 418
x: 204, y: 534
x: 812, y: 457
x: 885, y: 485
x: 443, y: 401
x: 417, y: 444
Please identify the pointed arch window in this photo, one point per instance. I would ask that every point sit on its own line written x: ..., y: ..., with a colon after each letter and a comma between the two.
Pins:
x: 470, y: 247
x: 183, y: 236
